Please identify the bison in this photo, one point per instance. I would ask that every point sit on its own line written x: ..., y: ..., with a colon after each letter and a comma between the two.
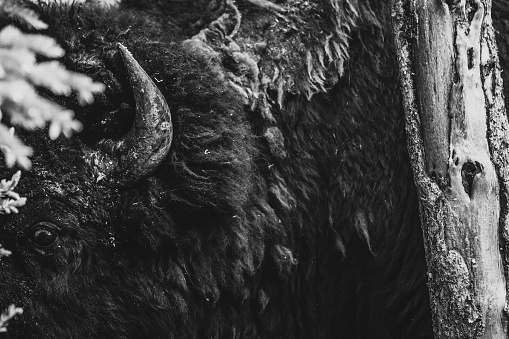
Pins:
x: 188, y: 209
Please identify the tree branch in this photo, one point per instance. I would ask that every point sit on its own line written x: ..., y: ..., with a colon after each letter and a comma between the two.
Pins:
x: 442, y: 57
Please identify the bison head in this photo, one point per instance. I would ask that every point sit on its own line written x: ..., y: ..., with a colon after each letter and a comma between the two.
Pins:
x: 147, y: 223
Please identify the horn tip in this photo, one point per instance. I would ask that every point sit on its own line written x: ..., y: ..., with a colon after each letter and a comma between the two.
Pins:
x: 123, y: 49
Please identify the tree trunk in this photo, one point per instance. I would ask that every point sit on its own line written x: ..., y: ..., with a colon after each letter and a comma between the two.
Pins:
x: 457, y: 134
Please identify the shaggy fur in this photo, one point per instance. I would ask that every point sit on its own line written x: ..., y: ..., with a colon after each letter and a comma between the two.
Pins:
x: 315, y: 235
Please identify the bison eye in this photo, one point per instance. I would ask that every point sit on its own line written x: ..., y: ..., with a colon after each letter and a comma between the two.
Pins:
x: 43, y: 235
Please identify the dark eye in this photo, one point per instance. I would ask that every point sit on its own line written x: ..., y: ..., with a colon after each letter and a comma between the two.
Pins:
x: 43, y: 235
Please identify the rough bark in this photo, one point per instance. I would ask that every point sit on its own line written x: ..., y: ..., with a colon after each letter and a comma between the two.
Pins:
x: 457, y: 131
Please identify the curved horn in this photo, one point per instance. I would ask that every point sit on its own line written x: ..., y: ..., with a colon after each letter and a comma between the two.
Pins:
x: 148, y: 142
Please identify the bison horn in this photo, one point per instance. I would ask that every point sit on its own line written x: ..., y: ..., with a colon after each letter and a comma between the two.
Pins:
x: 146, y: 145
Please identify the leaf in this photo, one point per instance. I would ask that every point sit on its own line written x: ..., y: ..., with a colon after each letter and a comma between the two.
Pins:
x: 8, y: 186
x: 16, y: 61
x: 16, y: 91
x: 23, y: 15
x: 51, y: 75
x: 54, y: 76
x: 10, y: 200
x: 14, y: 150
x: 12, y: 37
x: 7, y: 315
x: 85, y: 87
x: 4, y: 252
x: 63, y: 123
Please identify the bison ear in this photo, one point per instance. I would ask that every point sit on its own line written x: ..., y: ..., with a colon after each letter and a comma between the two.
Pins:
x: 146, y: 145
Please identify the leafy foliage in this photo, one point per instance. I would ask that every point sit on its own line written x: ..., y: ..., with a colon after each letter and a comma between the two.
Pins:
x: 7, y: 315
x: 10, y: 200
x: 21, y: 105
x: 12, y: 310
x: 21, y: 74
x: 15, y: 12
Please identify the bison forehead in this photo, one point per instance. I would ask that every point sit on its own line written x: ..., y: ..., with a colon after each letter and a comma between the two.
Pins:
x: 210, y: 164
